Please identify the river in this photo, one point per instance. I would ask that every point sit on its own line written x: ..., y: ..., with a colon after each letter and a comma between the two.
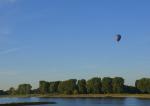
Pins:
x: 83, y: 101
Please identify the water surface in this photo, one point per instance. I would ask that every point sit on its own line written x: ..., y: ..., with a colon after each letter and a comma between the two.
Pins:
x: 83, y: 101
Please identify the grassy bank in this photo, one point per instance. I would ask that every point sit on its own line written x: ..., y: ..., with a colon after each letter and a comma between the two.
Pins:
x: 100, y: 96
x: 84, y: 96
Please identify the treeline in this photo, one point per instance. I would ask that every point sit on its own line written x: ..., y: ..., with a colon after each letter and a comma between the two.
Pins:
x: 94, y: 85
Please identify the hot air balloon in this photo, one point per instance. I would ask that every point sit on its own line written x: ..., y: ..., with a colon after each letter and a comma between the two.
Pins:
x: 118, y: 37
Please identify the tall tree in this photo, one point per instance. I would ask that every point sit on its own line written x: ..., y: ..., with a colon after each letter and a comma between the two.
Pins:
x: 68, y: 86
x: 12, y: 91
x: 82, y: 86
x: 61, y: 87
x: 24, y: 89
x: 53, y: 88
x: 94, y: 85
x: 118, y: 85
x: 107, y: 85
x: 2, y: 92
x: 143, y: 85
x: 44, y: 87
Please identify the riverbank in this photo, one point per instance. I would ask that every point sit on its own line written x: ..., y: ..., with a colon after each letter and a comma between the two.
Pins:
x: 82, y: 96
x: 100, y: 96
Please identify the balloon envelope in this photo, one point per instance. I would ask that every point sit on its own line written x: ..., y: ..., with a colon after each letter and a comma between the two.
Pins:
x: 118, y: 37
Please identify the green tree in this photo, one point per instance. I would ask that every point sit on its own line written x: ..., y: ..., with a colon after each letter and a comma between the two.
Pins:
x: 143, y: 85
x: 82, y: 86
x: 131, y: 89
x: 35, y: 91
x: 12, y: 91
x: 61, y: 87
x: 107, y: 85
x: 44, y: 87
x: 68, y: 86
x: 2, y: 92
x: 24, y: 89
x: 53, y: 88
x: 94, y: 85
x: 118, y: 85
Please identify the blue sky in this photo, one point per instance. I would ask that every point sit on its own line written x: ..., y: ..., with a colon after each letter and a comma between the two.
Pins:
x: 62, y: 39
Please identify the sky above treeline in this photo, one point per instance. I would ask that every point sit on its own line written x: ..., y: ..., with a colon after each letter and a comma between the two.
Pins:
x: 62, y: 39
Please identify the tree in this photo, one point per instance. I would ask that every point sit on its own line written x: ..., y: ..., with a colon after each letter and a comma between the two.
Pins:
x: 82, y: 86
x: 35, y: 91
x: 44, y: 87
x: 2, y: 92
x: 91, y: 86
x: 61, y: 87
x: 53, y: 88
x: 107, y: 85
x: 24, y: 89
x: 12, y: 91
x: 68, y: 86
x: 143, y: 85
x: 131, y: 89
x: 118, y: 85
x: 94, y: 85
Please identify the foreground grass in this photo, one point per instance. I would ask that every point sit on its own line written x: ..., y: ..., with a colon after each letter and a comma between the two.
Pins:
x: 83, y: 96
x: 26, y: 103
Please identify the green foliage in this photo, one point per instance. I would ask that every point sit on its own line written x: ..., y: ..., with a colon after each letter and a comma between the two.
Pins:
x: 35, y: 91
x: 44, y: 87
x: 67, y: 87
x: 12, y: 91
x: 75, y: 92
x: 118, y: 85
x: 131, y: 89
x: 24, y: 89
x: 94, y: 85
x: 2, y: 92
x: 107, y: 85
x: 82, y: 86
x: 53, y: 88
x: 143, y: 85
x: 61, y: 87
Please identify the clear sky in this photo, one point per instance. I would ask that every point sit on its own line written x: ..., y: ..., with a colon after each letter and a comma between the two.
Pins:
x: 61, y: 39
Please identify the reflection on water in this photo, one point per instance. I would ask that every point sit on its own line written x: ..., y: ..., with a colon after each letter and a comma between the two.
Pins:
x: 83, y: 101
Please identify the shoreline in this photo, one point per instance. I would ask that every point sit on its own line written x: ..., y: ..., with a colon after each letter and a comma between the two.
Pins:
x: 144, y: 96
